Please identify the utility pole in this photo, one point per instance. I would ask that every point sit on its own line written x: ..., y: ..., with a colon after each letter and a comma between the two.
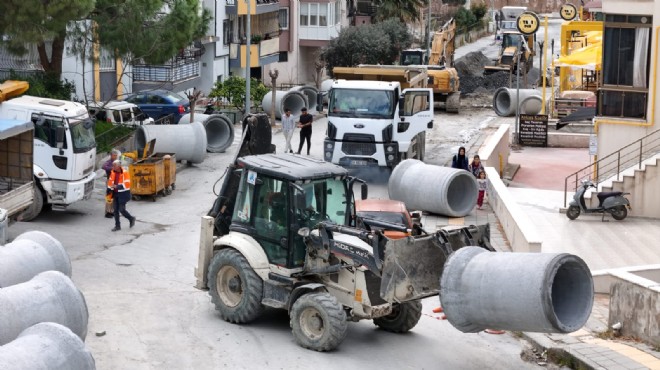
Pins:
x: 428, y: 34
x: 248, y: 40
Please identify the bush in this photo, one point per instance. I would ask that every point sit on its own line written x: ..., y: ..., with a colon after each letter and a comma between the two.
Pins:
x: 233, y: 89
x: 46, y: 85
x: 109, y: 135
x: 479, y: 11
x: 465, y: 19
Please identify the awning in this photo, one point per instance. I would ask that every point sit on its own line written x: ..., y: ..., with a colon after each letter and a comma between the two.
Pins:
x: 588, y: 57
x: 581, y: 114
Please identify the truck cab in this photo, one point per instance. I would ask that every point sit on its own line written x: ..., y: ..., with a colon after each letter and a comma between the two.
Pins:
x: 375, y: 123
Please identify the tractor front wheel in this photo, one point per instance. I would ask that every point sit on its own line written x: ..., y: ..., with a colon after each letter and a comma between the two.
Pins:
x: 318, y: 321
x: 403, y: 318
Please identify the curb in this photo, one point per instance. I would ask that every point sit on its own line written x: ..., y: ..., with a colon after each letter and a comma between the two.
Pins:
x: 558, y: 354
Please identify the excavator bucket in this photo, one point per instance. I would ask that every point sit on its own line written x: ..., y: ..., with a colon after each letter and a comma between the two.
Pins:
x: 497, y: 68
x: 412, y: 266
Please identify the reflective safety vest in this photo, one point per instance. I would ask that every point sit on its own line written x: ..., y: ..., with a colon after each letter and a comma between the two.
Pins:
x: 124, y: 183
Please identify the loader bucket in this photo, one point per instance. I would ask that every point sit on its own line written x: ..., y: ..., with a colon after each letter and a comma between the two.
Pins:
x: 494, y: 69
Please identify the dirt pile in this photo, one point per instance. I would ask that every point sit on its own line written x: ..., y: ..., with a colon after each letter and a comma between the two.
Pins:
x: 470, y: 69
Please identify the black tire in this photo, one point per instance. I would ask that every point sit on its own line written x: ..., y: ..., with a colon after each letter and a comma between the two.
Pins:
x: 35, y: 208
x: 403, y: 318
x: 165, y: 120
x: 619, y: 213
x: 235, y: 289
x: 318, y: 322
x: 573, y: 212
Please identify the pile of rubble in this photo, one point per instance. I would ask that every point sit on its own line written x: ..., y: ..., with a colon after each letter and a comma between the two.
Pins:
x: 470, y: 69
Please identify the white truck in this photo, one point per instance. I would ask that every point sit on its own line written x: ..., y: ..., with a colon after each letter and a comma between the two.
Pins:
x: 64, y: 147
x: 376, y: 123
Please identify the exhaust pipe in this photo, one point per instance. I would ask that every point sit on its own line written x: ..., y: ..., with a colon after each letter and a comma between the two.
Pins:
x: 440, y: 190
x: 533, y: 292
x: 219, y: 130
x: 505, y: 101
x: 46, y: 345
x: 188, y: 142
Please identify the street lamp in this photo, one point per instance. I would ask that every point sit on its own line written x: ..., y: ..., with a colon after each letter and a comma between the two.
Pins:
x: 248, y: 40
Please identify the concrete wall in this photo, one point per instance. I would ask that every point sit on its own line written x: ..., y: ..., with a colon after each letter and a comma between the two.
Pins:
x: 495, y: 151
x: 568, y: 140
x: 637, y: 307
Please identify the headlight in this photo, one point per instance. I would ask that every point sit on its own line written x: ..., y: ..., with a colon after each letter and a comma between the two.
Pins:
x: 328, y: 146
x: 389, y: 149
x: 390, y: 157
x: 328, y: 155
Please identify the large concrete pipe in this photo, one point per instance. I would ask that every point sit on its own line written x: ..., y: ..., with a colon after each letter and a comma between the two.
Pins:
x: 28, y: 255
x: 531, y: 105
x: 48, y: 297
x: 441, y: 190
x: 219, y: 130
x: 505, y: 100
x: 187, y: 141
x: 535, y: 292
x: 326, y: 85
x: 293, y: 100
x: 311, y: 94
x: 46, y: 346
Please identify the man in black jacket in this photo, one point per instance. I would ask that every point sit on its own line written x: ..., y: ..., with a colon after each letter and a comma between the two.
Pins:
x: 305, y: 125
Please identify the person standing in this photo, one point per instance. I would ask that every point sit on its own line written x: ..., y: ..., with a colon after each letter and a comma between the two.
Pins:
x: 483, y: 185
x: 107, y: 166
x: 119, y: 185
x: 305, y: 125
x: 288, y: 125
x: 476, y: 167
x: 460, y: 160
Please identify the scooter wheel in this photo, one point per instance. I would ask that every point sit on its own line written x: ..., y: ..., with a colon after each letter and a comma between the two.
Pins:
x: 573, y: 212
x: 619, y: 213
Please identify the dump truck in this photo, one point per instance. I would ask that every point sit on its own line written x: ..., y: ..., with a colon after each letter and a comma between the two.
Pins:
x: 64, y: 147
x: 282, y: 234
x: 16, y: 180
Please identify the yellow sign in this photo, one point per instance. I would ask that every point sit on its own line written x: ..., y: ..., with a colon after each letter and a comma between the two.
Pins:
x: 567, y: 12
x: 528, y: 23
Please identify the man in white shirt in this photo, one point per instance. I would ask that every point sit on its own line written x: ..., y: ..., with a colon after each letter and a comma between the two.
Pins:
x: 288, y: 125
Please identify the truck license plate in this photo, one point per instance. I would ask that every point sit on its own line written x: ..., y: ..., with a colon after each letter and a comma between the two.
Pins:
x: 358, y: 162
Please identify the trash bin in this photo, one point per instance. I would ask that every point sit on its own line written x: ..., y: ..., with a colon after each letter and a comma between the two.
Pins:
x: 169, y: 161
x: 147, y: 178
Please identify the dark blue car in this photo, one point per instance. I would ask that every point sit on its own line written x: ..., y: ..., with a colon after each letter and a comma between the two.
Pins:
x: 163, y: 106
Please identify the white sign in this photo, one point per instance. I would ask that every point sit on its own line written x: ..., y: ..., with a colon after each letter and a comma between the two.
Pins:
x: 252, y: 177
x: 593, y: 144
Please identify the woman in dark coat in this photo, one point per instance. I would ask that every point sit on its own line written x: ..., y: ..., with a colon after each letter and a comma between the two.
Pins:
x: 460, y: 161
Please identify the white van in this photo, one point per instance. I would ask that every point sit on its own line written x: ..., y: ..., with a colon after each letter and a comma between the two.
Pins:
x: 119, y: 112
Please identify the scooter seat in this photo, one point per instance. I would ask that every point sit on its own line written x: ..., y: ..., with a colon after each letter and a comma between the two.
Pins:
x: 606, y: 194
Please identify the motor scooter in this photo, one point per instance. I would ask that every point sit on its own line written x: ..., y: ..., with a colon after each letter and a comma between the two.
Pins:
x: 612, y: 202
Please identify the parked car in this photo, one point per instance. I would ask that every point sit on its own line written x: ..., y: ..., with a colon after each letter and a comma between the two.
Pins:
x: 391, y: 216
x: 163, y: 106
x: 119, y: 112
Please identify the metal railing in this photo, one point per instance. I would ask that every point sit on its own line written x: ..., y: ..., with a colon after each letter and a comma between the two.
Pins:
x: 611, y: 166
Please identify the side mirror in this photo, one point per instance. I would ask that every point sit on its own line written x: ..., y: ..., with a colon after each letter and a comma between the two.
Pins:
x: 364, y: 190
x: 401, y: 105
x: 59, y: 137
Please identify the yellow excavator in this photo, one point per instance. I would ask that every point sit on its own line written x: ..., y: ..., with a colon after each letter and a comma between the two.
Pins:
x: 443, y: 78
x: 512, y: 42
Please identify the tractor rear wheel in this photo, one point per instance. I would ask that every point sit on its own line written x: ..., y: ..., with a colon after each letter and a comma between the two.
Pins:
x: 235, y: 289
x: 404, y: 317
x: 318, y: 321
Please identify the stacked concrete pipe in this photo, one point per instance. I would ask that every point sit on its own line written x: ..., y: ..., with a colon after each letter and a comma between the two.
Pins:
x: 532, y: 292
x: 440, y: 190
x: 188, y: 141
x: 311, y: 94
x: 46, y: 346
x: 505, y: 101
x: 29, y: 254
x: 48, y: 297
x: 293, y: 100
x: 219, y: 130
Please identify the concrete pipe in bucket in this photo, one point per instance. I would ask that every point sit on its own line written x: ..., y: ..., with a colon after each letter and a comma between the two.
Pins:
x: 293, y: 100
x: 187, y: 141
x: 440, y: 190
x: 28, y: 255
x: 48, y: 297
x: 311, y: 94
x: 46, y: 343
x: 533, y: 292
x: 505, y: 100
x: 219, y: 130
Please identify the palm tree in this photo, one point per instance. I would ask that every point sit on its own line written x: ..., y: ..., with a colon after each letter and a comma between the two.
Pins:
x: 405, y: 10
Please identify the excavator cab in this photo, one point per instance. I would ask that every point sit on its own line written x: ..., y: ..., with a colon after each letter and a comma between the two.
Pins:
x: 413, y: 57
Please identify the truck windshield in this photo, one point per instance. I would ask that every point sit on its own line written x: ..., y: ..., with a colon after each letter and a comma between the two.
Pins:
x: 82, y: 134
x: 361, y: 103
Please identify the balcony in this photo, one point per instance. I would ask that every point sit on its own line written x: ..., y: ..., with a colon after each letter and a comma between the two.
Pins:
x: 239, y: 7
x: 262, y: 53
x: 177, y: 74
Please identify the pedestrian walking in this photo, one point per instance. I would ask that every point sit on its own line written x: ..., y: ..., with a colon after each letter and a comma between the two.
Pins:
x: 476, y: 167
x: 460, y: 161
x: 483, y: 185
x: 107, y: 167
x: 119, y: 185
x: 288, y: 125
x: 305, y: 124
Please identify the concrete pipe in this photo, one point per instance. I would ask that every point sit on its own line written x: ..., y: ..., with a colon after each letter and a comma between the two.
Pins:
x: 440, y: 190
x: 326, y: 85
x: 219, y: 130
x: 504, y: 100
x: 28, y: 255
x: 534, y: 292
x: 531, y: 105
x: 187, y: 141
x: 293, y: 100
x: 48, y: 297
x: 46, y: 346
x: 311, y: 94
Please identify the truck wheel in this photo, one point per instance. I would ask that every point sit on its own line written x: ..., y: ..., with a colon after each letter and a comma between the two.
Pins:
x: 573, y: 212
x: 235, y: 289
x: 619, y: 213
x: 404, y: 317
x: 35, y: 208
x: 318, y: 322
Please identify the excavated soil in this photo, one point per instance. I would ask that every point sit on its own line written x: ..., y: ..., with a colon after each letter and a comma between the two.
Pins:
x: 470, y: 69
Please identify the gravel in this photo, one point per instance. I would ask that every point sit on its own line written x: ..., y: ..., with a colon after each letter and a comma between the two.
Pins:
x: 470, y: 69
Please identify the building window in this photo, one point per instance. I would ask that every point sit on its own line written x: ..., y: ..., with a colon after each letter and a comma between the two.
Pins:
x: 323, y: 15
x: 304, y: 14
x: 283, y: 18
x: 625, y: 70
x: 225, y: 32
x: 337, y: 12
x: 313, y: 14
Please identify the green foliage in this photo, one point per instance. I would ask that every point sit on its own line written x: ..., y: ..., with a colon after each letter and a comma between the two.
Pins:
x: 403, y: 10
x: 46, y: 85
x: 378, y: 43
x: 479, y: 10
x: 108, y: 135
x: 233, y: 89
x: 464, y: 19
x: 454, y: 2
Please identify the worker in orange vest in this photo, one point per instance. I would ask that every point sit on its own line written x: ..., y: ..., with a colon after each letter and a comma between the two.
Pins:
x: 119, y: 186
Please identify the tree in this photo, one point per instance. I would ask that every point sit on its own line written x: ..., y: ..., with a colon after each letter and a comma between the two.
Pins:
x: 464, y: 20
x: 233, y: 89
x: 479, y: 10
x: 378, y: 43
x: 40, y: 22
x: 404, y: 10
